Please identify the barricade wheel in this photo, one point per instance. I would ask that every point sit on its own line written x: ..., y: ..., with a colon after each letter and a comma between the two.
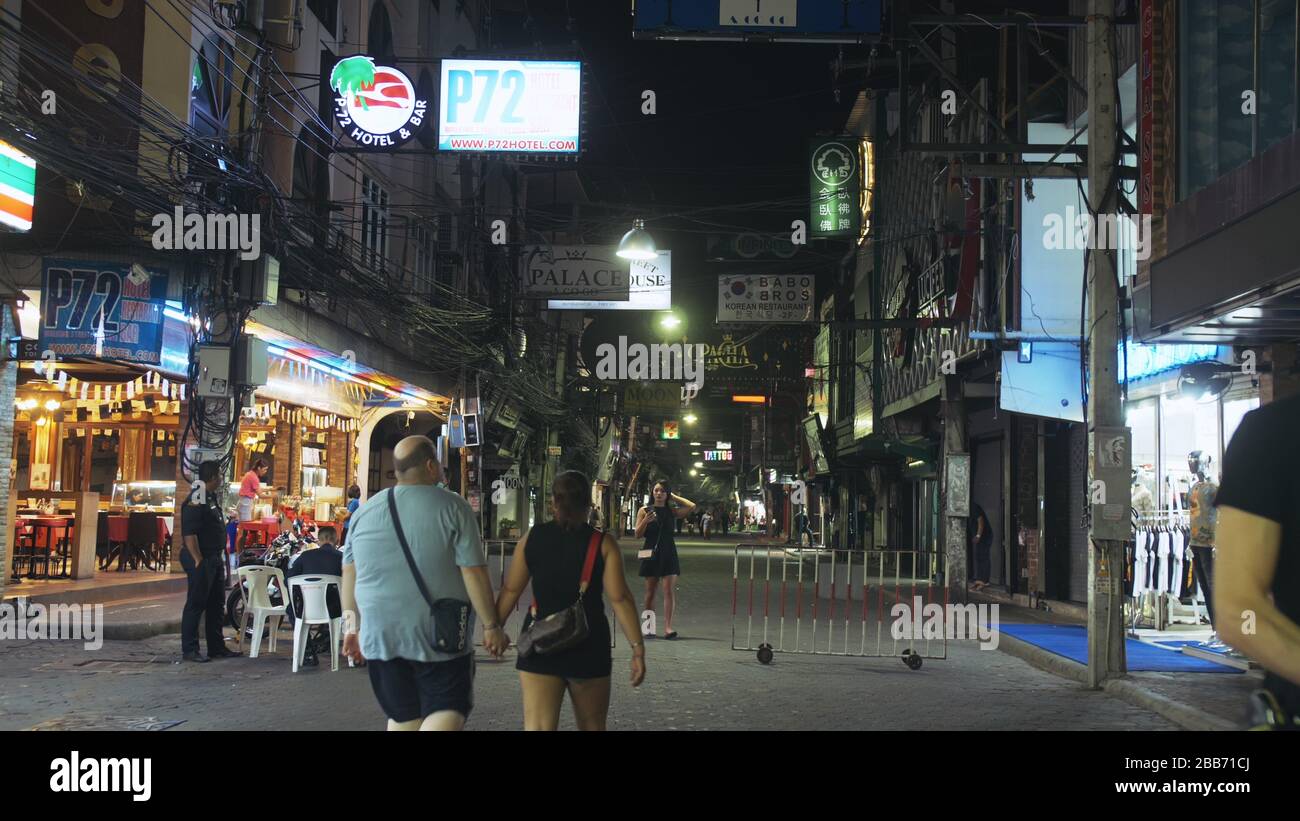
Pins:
x: 912, y: 660
x: 765, y: 653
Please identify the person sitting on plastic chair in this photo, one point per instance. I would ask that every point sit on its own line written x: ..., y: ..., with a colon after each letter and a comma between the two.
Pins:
x: 320, y: 559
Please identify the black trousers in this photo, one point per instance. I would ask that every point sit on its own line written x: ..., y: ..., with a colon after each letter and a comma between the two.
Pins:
x: 982, y: 560
x: 1203, y: 563
x: 205, y: 597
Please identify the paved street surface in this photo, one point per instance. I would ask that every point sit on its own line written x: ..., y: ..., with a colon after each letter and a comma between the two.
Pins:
x: 694, y: 683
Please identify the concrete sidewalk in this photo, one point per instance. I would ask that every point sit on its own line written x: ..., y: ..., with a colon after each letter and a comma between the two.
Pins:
x: 1193, y: 701
x: 696, y: 682
x: 107, y: 586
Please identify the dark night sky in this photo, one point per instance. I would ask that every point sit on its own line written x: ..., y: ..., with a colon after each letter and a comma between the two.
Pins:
x: 726, y: 148
x: 732, y: 119
x: 726, y: 152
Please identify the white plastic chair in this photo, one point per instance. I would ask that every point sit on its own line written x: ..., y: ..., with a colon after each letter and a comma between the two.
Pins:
x: 315, y: 610
x: 257, y: 605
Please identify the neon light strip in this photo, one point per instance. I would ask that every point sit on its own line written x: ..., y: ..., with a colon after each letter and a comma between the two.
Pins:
x: 339, y: 374
x: 284, y: 353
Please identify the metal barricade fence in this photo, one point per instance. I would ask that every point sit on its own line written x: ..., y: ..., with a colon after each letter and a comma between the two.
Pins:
x: 832, y: 602
x: 499, y: 553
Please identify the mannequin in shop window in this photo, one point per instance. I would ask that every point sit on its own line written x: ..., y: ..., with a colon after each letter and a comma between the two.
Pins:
x: 1144, y: 502
x: 1204, y: 518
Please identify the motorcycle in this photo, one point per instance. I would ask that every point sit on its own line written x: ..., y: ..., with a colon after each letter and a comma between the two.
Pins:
x: 277, y: 554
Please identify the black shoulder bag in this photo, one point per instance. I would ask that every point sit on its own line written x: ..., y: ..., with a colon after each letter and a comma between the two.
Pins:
x: 450, y: 616
x: 567, y: 628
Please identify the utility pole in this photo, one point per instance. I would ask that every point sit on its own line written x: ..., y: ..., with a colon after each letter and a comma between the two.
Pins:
x: 1108, y: 443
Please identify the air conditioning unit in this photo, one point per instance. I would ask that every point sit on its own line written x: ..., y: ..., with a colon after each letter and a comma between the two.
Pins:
x: 279, y: 20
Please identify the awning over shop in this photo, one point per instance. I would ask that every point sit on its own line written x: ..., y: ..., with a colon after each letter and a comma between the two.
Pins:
x: 376, y: 388
x: 877, y: 448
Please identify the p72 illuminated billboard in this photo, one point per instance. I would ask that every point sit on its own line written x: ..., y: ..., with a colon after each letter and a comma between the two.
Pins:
x: 514, y: 106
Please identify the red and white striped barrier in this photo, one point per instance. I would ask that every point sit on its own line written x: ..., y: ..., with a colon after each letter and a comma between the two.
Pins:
x: 826, y: 602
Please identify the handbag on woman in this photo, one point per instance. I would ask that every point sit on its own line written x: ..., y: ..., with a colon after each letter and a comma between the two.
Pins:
x: 567, y: 628
x: 450, y: 617
x: 659, y: 536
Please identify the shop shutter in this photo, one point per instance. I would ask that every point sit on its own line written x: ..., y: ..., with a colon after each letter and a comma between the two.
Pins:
x: 1078, y: 495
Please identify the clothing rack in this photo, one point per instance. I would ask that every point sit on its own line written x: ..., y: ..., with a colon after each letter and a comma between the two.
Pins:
x: 1162, y: 517
x: 1158, y: 572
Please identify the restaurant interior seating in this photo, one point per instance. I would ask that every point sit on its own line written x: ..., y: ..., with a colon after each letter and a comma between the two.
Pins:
x: 102, y: 545
x: 141, y: 540
x: 24, y: 551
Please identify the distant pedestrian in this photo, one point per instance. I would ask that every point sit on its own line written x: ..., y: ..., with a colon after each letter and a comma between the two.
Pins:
x: 981, y: 539
x: 203, y: 532
x: 802, y: 526
x: 705, y: 521
x: 413, y: 566
x: 354, y: 502
x: 660, y: 562
x: 553, y: 557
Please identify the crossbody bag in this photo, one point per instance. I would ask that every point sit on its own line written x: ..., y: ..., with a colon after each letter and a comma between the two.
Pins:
x: 567, y: 628
x: 450, y: 617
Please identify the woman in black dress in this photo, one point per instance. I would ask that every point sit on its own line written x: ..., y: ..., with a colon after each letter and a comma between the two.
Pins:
x: 551, y: 555
x: 656, y: 523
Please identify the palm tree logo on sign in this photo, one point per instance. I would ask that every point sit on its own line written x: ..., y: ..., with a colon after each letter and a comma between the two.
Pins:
x: 377, y: 105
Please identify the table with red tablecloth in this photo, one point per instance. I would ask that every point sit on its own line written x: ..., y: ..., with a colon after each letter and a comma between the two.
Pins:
x: 119, y: 528
x: 47, y: 534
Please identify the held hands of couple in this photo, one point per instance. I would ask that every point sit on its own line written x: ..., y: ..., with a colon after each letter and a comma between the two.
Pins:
x: 496, y: 641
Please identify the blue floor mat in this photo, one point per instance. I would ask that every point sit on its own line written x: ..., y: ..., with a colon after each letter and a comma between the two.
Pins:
x: 1174, y: 644
x: 1071, y: 641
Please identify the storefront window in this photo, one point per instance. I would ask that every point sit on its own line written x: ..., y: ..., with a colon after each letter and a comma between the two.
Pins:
x: 1217, y: 64
x: 1218, y: 61
x: 103, y: 461
x: 1141, y: 418
x: 1277, y: 56
x: 23, y: 456
x: 1233, y: 412
x: 162, y: 464
x: 1187, y: 425
x: 71, y: 458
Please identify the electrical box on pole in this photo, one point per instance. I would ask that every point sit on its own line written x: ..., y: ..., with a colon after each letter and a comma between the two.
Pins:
x: 214, y: 371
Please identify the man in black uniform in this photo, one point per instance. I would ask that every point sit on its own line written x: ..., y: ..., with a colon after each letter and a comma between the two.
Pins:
x: 1257, y: 563
x: 203, y: 526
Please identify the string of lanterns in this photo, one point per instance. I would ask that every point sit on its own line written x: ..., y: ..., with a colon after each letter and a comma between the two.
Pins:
x: 152, y: 391
x: 149, y: 392
x: 264, y: 412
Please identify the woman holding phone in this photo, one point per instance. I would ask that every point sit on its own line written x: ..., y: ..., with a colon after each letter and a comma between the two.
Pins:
x: 659, y: 554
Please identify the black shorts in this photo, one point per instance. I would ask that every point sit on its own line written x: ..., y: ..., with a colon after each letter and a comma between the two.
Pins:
x: 410, y: 690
